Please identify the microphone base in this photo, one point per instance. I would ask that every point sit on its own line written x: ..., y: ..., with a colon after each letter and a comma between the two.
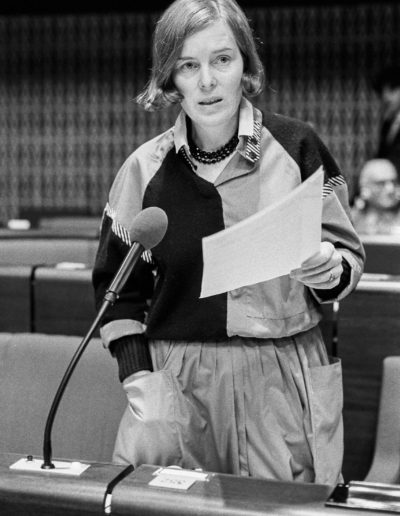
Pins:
x: 70, y: 468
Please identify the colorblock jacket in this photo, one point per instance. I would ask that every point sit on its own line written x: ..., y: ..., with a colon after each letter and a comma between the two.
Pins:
x: 275, y: 154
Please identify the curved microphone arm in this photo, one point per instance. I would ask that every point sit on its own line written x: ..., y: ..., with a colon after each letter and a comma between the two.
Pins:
x: 150, y: 225
x: 47, y: 463
x: 110, y: 297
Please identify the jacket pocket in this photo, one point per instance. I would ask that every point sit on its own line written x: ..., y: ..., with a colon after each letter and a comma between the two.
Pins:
x: 326, y: 405
x: 148, y: 432
x: 280, y: 298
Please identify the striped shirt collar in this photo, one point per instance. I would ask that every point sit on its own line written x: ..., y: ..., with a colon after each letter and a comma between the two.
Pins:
x: 250, y: 123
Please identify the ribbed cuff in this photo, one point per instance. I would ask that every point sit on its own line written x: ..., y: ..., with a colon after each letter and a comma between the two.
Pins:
x: 132, y: 354
x: 332, y: 293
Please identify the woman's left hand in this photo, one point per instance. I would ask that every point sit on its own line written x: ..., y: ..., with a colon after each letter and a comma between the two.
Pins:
x: 322, y: 270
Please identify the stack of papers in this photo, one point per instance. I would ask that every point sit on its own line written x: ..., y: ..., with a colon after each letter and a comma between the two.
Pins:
x: 269, y: 244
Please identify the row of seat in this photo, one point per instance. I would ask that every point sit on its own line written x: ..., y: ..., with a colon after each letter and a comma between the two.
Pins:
x: 48, y: 246
x: 74, y: 244
x: 46, y: 299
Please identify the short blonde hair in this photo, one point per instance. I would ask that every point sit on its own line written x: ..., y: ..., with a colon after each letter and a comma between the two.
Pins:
x: 184, y: 18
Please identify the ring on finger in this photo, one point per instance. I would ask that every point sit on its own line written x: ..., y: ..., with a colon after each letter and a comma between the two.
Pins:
x: 331, y: 277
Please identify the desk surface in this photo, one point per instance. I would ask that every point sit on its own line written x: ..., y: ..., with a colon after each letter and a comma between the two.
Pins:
x: 373, y: 282
x: 51, y: 233
x: 223, y: 495
x: 381, y: 239
x: 45, y: 493
x: 48, y: 494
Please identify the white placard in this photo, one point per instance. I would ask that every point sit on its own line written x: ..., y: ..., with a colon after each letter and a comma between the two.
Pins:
x: 174, y: 477
x: 172, y: 482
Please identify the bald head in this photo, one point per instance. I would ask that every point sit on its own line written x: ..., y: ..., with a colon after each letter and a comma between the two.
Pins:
x: 379, y: 183
x: 377, y: 170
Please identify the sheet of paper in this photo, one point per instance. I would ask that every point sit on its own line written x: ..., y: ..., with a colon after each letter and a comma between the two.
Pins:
x: 266, y: 245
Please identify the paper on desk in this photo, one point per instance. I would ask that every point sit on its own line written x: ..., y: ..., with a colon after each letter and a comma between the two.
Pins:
x: 266, y: 245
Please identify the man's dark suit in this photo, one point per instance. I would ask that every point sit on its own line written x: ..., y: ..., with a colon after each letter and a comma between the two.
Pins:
x: 389, y: 144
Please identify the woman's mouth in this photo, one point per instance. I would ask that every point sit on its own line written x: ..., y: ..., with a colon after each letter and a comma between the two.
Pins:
x: 210, y: 101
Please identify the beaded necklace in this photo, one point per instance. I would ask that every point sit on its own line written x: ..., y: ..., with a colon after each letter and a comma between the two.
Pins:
x: 208, y: 158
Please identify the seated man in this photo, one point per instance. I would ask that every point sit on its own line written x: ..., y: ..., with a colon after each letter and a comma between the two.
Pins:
x: 377, y: 208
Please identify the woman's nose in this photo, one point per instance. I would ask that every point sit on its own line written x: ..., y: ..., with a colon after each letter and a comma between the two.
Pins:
x: 206, y: 79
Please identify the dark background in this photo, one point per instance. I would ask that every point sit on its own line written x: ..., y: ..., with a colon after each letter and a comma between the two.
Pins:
x: 71, y: 7
x: 70, y: 71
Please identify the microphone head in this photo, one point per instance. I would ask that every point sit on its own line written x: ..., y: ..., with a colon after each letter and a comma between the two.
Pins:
x: 149, y: 227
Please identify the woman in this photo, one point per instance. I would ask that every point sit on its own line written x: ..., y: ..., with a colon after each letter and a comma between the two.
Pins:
x: 238, y: 382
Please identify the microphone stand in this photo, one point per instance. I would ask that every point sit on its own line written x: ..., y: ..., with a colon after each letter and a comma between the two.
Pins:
x: 47, y: 452
x: 109, y: 299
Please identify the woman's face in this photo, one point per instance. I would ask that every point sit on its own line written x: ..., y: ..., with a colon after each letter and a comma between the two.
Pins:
x: 208, y: 74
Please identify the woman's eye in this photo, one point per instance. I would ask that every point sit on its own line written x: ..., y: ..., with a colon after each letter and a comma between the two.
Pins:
x: 188, y: 67
x: 223, y: 60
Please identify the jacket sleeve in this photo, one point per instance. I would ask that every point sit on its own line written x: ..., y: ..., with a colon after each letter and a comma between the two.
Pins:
x: 337, y: 226
x: 128, y: 314
x: 124, y: 324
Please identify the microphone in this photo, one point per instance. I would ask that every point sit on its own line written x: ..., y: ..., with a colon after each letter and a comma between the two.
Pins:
x: 147, y: 230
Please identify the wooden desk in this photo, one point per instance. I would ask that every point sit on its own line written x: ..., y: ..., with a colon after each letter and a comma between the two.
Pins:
x: 48, y: 494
